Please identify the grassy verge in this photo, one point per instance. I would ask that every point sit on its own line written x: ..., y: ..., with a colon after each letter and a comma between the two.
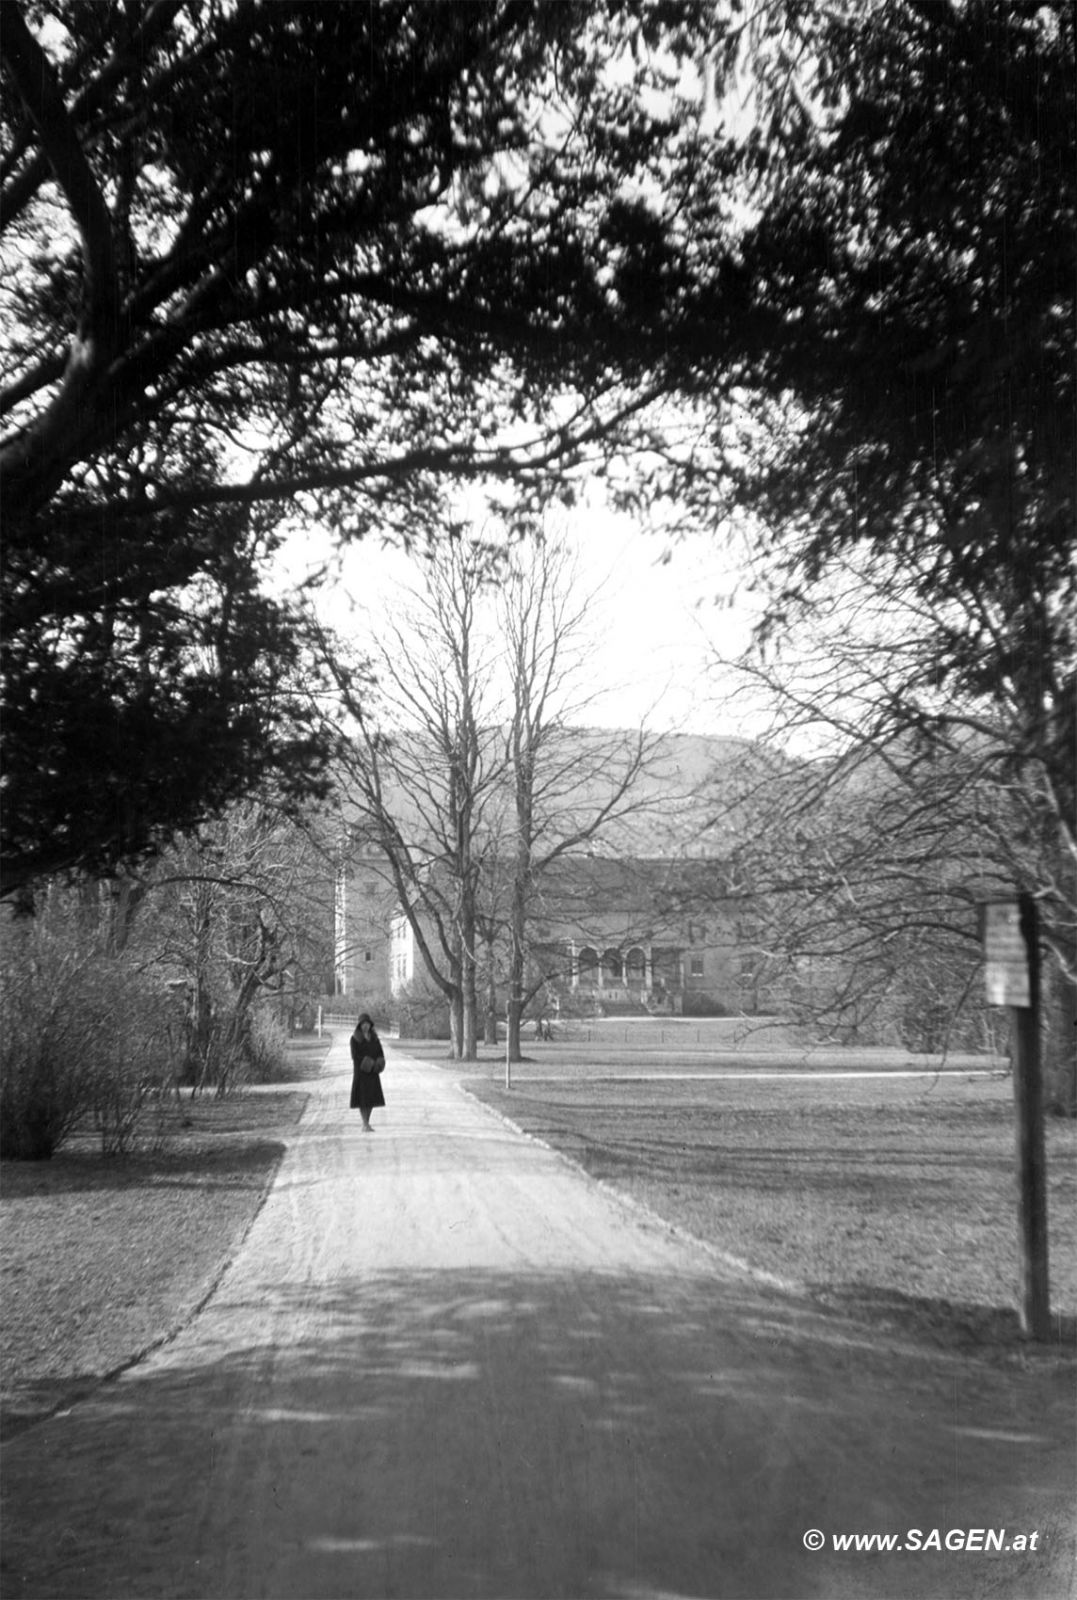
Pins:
x: 888, y: 1197
x: 103, y: 1259
x: 619, y: 1051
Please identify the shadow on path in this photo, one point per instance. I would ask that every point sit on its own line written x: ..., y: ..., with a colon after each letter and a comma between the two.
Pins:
x: 483, y: 1433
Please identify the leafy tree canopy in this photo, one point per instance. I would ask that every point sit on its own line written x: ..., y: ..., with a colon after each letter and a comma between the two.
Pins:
x: 912, y: 238
x: 282, y: 258
x: 315, y: 258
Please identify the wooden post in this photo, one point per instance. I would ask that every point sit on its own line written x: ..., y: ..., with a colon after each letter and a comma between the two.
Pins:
x: 1031, y: 1148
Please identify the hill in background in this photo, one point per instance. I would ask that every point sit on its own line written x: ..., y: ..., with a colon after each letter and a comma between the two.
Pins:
x: 694, y: 795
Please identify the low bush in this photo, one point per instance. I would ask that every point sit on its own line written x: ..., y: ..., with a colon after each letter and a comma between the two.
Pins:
x: 46, y: 1077
x: 420, y: 1011
x: 87, y: 1037
x: 135, y: 1061
x: 698, y: 1003
x: 267, y: 1049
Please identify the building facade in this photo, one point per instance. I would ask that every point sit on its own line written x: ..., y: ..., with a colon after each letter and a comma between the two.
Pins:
x: 636, y: 935
x: 364, y: 906
x: 606, y: 937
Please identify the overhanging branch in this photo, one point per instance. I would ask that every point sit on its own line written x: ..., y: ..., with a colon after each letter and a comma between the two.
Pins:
x: 95, y: 338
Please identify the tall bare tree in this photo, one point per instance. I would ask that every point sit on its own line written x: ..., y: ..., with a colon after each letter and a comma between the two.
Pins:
x: 467, y: 771
x: 915, y: 803
x: 570, y: 791
x: 421, y: 775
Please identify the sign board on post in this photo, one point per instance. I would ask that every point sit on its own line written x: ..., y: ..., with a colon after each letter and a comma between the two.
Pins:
x: 1012, y: 953
x: 1006, y: 955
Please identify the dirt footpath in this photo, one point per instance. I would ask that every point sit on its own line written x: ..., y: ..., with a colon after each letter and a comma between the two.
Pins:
x: 446, y: 1364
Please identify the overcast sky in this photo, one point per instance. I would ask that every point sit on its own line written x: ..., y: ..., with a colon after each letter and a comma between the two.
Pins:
x: 652, y: 622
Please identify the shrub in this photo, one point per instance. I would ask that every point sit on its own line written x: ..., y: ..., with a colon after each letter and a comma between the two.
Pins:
x: 46, y: 1077
x: 419, y: 1010
x: 697, y: 1003
x: 40, y: 1103
x: 135, y: 1064
x: 267, y: 1049
x: 86, y: 1037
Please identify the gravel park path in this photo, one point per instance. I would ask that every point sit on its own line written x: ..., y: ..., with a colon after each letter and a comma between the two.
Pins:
x: 445, y: 1363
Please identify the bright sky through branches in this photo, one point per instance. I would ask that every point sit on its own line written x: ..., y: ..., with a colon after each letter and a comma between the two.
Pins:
x: 656, y: 621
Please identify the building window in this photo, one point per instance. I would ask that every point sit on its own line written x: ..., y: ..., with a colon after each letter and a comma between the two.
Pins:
x: 636, y: 968
x: 368, y: 955
x: 695, y: 966
x: 666, y: 965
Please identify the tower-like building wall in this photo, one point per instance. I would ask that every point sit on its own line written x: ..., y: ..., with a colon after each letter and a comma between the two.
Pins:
x: 362, y: 927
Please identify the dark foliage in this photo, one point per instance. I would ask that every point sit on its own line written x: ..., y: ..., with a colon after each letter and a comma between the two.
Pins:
x: 296, y: 257
x: 916, y: 244
x: 317, y: 258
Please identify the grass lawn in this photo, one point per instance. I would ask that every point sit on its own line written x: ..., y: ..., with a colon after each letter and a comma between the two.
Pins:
x: 892, y: 1197
x: 102, y: 1259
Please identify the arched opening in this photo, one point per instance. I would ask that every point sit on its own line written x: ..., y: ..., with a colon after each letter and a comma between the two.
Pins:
x: 587, y: 965
x: 635, y: 968
x: 612, y: 969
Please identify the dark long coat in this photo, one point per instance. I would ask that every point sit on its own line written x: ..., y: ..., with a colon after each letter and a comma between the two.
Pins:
x: 366, y: 1085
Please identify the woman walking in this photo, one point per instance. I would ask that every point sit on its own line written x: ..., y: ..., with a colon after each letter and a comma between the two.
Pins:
x: 368, y: 1064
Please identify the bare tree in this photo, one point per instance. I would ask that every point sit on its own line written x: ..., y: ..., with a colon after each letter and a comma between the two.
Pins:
x: 569, y: 791
x: 241, y: 912
x: 916, y: 803
x: 423, y: 768
x: 467, y: 774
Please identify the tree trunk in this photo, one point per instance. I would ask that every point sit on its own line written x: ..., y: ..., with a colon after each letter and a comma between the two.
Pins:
x: 469, y: 976
x: 1060, y: 1045
x: 519, y: 933
x: 456, y: 1026
x: 469, y: 1018
x: 515, y: 1010
x: 490, y: 1021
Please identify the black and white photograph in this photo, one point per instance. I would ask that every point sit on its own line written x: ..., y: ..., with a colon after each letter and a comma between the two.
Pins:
x: 538, y: 799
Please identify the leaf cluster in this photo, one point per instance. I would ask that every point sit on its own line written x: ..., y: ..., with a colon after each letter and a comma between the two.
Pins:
x: 916, y: 241
x: 265, y: 260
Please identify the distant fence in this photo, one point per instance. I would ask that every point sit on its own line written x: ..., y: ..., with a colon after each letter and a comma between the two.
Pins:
x: 336, y: 1022
x: 333, y: 1022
